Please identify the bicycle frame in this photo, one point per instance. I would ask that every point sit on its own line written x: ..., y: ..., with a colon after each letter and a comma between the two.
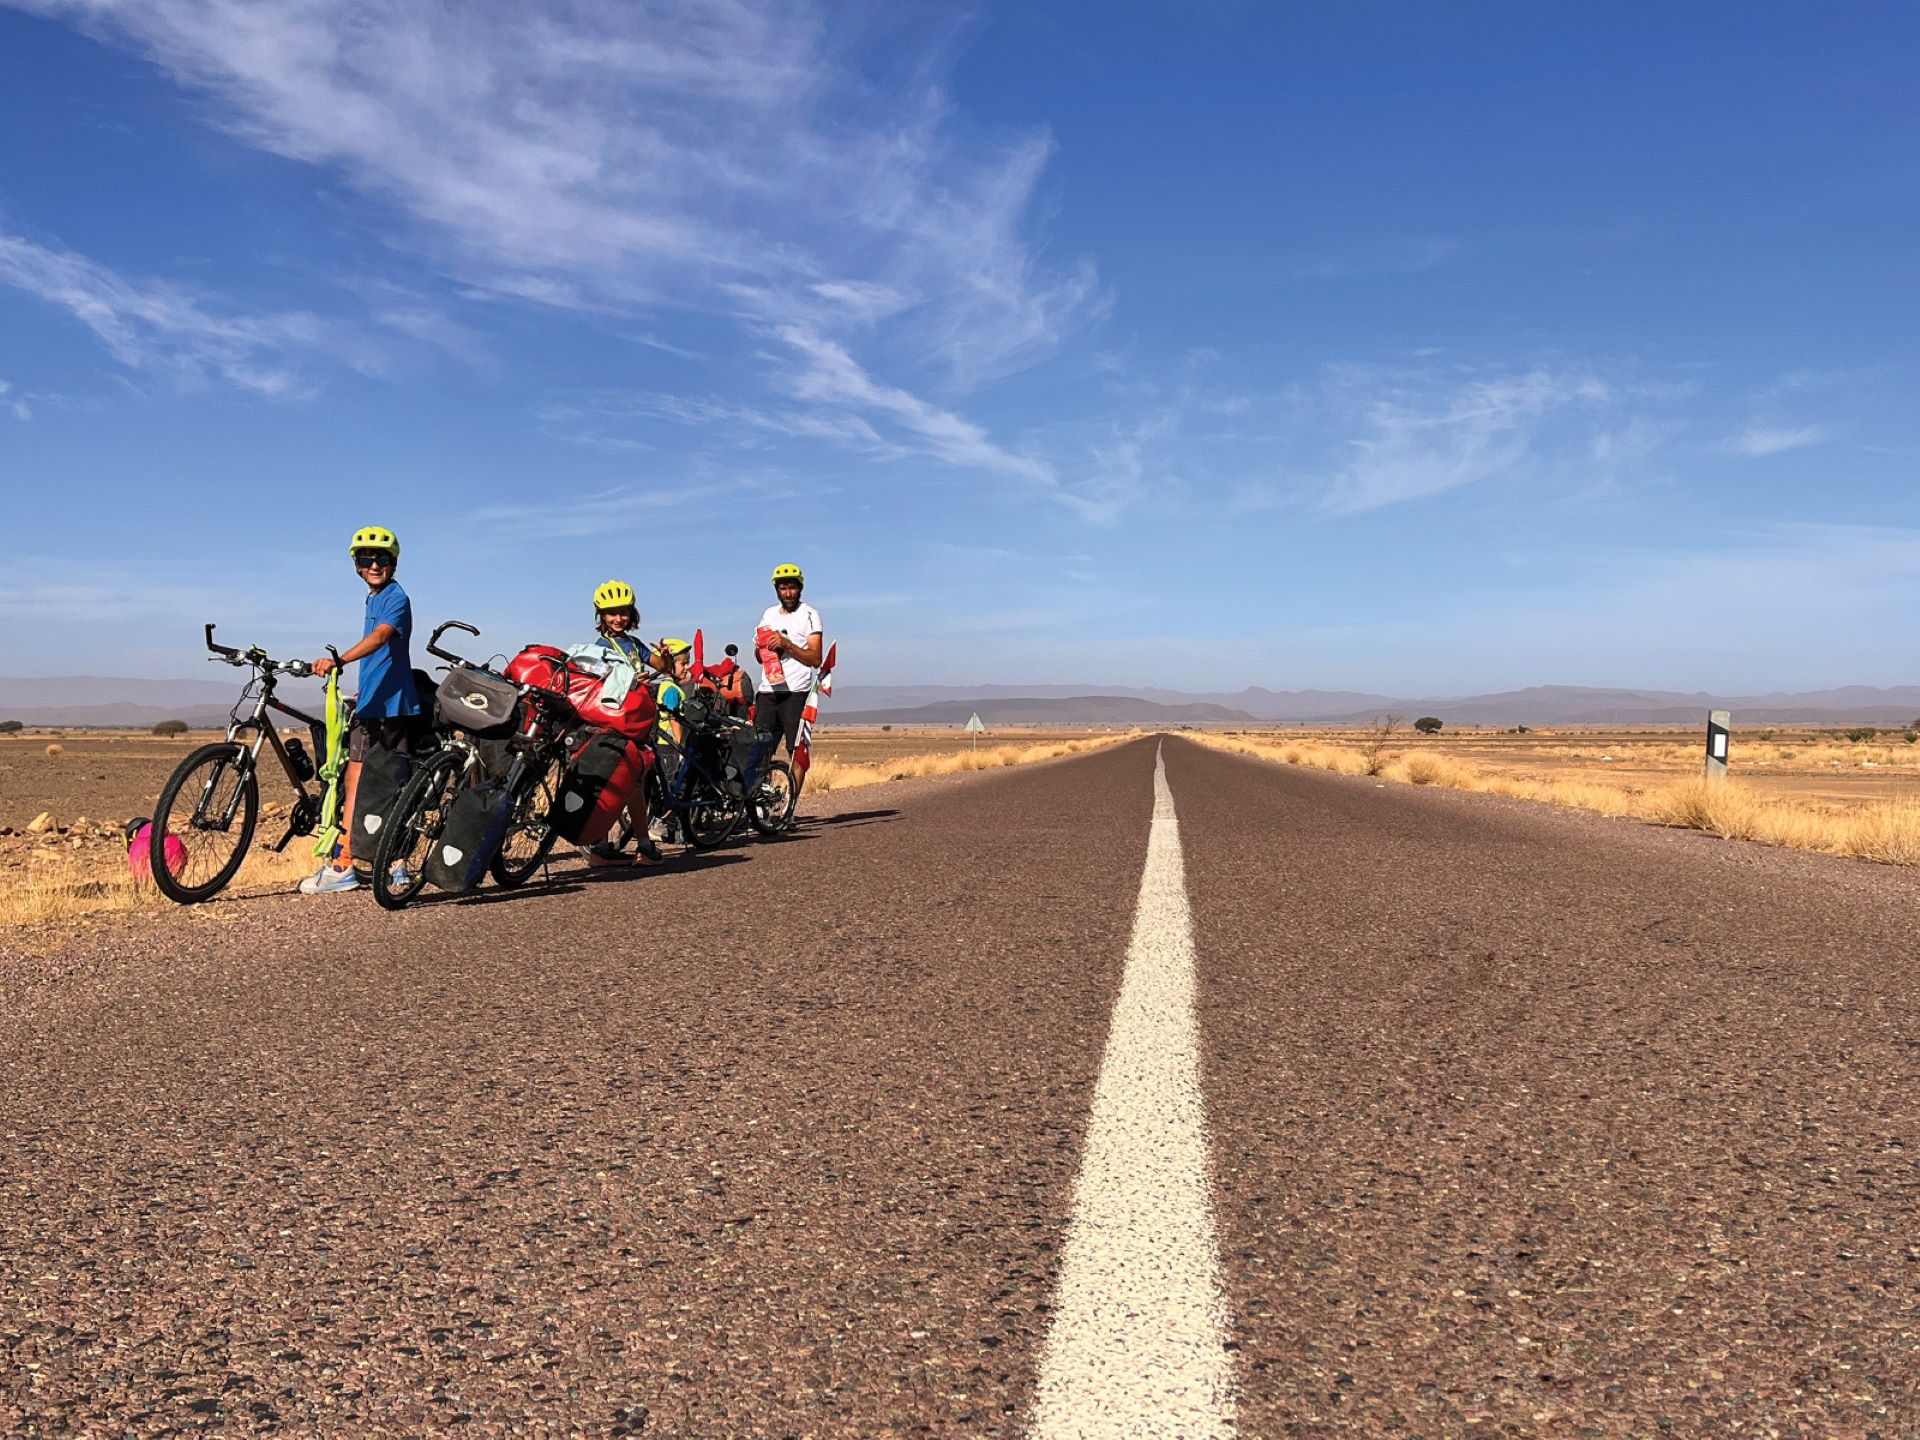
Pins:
x: 259, y: 725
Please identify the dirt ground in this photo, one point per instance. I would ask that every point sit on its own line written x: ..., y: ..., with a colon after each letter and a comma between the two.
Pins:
x: 111, y: 775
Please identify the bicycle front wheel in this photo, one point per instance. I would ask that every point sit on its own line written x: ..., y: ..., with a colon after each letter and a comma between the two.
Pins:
x: 770, y: 806
x: 205, y: 823
x: 406, y: 840
x: 711, y: 818
x: 529, y: 830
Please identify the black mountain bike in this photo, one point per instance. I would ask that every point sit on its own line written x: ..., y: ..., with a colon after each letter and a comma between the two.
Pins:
x: 211, y: 802
x: 709, y: 783
x: 528, y: 761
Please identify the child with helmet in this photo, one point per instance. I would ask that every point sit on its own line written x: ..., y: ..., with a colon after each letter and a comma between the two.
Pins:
x: 617, y: 645
x: 384, y: 713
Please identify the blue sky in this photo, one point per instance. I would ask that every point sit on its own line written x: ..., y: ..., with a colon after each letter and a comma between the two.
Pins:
x: 1417, y: 348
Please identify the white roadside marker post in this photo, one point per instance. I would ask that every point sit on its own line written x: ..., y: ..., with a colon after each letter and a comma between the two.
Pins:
x: 1719, y: 737
x: 974, y: 726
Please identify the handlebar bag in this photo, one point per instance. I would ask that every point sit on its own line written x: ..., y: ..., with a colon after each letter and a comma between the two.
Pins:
x: 382, y: 774
x: 475, y: 824
x: 482, y: 704
x: 605, y: 774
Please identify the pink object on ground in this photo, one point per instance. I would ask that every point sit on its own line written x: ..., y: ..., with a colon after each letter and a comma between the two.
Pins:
x: 140, y: 861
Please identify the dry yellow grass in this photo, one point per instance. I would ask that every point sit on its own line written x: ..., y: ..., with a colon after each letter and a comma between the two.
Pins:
x: 842, y: 775
x: 57, y: 882
x: 1887, y: 831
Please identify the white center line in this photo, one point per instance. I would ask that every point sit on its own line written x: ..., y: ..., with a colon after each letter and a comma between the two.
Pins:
x: 1138, y: 1344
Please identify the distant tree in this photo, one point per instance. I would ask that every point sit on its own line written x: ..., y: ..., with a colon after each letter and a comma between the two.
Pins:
x: 1763, y: 734
x: 1860, y: 734
x: 12, y: 727
x: 171, y: 727
x: 1910, y: 735
x: 1428, y: 724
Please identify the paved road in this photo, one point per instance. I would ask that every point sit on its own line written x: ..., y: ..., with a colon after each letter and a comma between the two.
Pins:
x: 1456, y: 1115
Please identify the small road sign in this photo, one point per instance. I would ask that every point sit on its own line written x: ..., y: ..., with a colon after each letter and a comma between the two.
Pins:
x: 1719, y: 738
x: 974, y: 726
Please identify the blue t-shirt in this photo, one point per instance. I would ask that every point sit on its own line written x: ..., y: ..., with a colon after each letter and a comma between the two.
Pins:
x: 386, y: 676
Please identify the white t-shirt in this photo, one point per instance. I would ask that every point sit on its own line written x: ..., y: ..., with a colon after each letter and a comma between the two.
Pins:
x: 799, y: 625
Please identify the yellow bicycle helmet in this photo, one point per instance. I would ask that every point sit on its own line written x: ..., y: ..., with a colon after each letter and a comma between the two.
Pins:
x: 675, y: 646
x: 614, y: 595
x: 375, y: 537
x: 788, y: 572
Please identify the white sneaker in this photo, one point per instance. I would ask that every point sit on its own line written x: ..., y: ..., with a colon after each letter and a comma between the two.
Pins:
x: 326, y: 880
x: 398, y: 876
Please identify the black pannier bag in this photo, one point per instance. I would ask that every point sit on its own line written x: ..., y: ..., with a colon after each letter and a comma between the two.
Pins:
x: 483, y: 705
x: 592, y: 770
x: 740, y: 742
x: 475, y: 824
x: 420, y: 725
x: 382, y: 774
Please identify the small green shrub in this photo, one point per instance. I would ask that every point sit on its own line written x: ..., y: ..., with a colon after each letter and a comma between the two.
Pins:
x: 1428, y: 724
x: 171, y: 727
x: 12, y: 727
x: 1860, y: 734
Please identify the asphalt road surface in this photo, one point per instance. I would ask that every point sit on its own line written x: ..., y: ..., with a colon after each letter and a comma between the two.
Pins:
x: 1099, y: 1098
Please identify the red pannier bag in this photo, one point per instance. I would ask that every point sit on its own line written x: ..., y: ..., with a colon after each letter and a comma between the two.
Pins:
x: 604, y: 775
x: 580, y: 681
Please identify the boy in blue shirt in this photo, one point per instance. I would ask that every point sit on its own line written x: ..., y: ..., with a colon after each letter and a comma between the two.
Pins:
x: 387, y: 704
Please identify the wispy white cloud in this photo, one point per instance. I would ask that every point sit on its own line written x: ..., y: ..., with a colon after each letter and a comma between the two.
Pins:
x: 17, y: 406
x: 1759, y: 440
x: 155, y: 325
x: 829, y: 376
x: 652, y: 505
x: 619, y: 156
x: 1415, y: 437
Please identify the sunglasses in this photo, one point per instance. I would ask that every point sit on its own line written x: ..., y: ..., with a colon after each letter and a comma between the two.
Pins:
x: 368, y: 559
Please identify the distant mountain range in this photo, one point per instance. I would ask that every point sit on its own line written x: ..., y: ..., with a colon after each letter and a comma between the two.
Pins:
x: 82, y: 700
x: 1038, y: 710
x: 1536, y: 705
x: 100, y: 700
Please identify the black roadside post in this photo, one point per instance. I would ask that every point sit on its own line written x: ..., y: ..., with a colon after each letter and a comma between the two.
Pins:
x: 1719, y: 736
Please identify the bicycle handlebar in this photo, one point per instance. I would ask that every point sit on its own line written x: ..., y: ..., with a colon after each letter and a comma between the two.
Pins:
x: 254, y: 655
x: 433, y: 645
x: 224, y: 650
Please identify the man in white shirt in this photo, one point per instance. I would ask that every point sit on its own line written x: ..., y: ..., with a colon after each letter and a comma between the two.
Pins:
x: 787, y: 644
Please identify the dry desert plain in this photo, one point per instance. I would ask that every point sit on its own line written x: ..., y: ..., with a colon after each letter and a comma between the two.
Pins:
x: 90, y: 782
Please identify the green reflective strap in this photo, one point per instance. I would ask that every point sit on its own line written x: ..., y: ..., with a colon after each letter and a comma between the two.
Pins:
x: 333, y: 768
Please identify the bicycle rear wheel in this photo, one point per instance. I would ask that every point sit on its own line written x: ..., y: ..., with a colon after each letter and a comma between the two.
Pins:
x: 207, y: 812
x: 406, y: 840
x: 529, y: 830
x: 770, y: 805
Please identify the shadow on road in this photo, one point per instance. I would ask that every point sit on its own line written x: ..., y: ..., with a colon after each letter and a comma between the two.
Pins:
x: 852, y: 817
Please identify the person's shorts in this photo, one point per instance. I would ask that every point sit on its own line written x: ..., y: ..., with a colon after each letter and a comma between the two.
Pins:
x: 778, y: 713
x: 395, y: 732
